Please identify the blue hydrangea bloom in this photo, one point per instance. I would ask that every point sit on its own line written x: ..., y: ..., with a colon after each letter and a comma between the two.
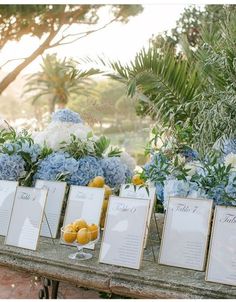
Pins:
x: 189, y: 154
x: 217, y: 194
x: 54, y: 164
x: 226, y: 146
x: 160, y: 192
x: 10, y: 147
x: 11, y: 167
x: 128, y: 174
x: 195, y: 191
x: 32, y: 149
x: 87, y: 168
x: 230, y: 189
x: 114, y: 171
x: 66, y: 115
x: 175, y: 187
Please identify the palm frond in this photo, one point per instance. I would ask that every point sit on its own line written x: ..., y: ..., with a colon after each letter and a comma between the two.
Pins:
x: 168, y: 81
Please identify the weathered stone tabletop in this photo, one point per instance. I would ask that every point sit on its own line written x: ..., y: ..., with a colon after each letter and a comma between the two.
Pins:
x: 151, y: 281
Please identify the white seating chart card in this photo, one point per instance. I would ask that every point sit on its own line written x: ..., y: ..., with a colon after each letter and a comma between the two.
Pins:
x: 55, y: 197
x: 7, y: 195
x: 123, y: 237
x: 185, y: 234
x: 221, y: 266
x: 84, y: 202
x: 26, y: 218
x: 140, y: 192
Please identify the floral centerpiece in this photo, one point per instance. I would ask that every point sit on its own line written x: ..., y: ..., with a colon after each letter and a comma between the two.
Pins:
x: 66, y: 150
x: 19, y: 155
x: 64, y: 122
x: 79, y: 156
x: 178, y: 170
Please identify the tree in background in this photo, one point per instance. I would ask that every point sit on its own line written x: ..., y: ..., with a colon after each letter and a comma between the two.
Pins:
x: 51, y: 24
x: 58, y: 81
x: 109, y: 111
x: 193, y: 88
x: 190, y: 23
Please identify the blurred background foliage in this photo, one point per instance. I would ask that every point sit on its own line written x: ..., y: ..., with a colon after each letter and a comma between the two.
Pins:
x: 187, y: 78
x: 184, y: 83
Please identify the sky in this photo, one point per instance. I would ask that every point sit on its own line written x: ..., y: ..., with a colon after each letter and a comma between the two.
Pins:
x: 117, y: 41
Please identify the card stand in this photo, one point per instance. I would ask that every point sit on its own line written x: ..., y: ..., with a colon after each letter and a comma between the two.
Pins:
x: 156, y: 226
x: 152, y: 241
x: 50, y: 231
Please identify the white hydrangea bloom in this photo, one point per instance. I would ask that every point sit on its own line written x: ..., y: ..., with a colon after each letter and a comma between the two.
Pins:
x: 128, y: 160
x: 193, y: 167
x: 230, y: 159
x: 56, y: 132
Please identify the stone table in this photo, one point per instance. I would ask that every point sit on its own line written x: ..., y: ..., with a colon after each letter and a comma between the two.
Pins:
x: 151, y: 281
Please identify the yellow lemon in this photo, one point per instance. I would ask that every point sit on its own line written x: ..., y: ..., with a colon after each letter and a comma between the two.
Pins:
x: 98, y: 182
x: 91, y: 184
x: 104, y: 212
x: 136, y: 180
x: 69, y: 234
x: 83, y: 236
x: 68, y: 226
x: 108, y: 191
x: 93, y: 228
x: 105, y: 204
x: 79, y: 224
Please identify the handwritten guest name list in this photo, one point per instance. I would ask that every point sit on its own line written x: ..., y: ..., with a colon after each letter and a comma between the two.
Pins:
x: 185, y: 235
x: 222, y: 256
x: 141, y: 192
x: 55, y: 197
x: 26, y: 217
x: 7, y: 195
x: 123, y: 238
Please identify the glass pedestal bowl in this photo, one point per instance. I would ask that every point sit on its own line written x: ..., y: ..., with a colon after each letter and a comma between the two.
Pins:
x: 80, y: 254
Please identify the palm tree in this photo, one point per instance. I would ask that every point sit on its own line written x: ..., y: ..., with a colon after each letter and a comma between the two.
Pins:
x: 193, y: 85
x: 58, y: 80
x: 162, y: 82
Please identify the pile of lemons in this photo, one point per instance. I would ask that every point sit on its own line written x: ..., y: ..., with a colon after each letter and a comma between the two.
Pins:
x: 80, y: 231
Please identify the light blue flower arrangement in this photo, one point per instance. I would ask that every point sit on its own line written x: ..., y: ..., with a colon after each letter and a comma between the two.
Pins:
x: 211, y: 176
x: 66, y: 115
x: 128, y: 174
x: 60, y: 165
x: 32, y: 150
x: 174, y: 187
x: 88, y: 168
x: 114, y: 171
x: 12, y: 167
x: 214, y: 180
x: 55, y: 166
x: 181, y: 188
